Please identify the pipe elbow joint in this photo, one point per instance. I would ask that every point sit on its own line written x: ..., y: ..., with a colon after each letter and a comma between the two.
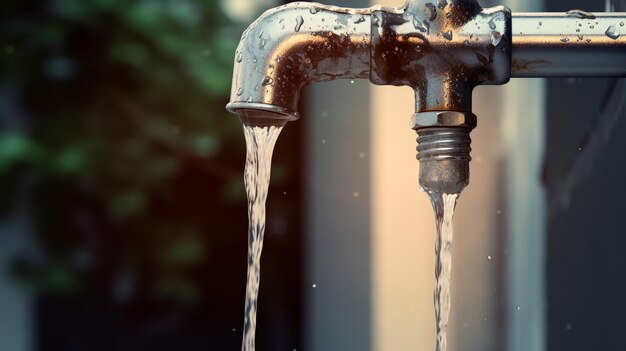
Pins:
x: 294, y: 45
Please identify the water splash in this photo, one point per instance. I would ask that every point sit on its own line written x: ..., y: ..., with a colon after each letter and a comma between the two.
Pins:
x: 260, y: 143
x: 444, y: 205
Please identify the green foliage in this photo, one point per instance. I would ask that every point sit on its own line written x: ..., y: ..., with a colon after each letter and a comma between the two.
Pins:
x: 124, y: 108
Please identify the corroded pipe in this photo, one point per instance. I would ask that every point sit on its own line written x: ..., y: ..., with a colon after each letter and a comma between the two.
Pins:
x: 292, y: 46
x: 442, y: 49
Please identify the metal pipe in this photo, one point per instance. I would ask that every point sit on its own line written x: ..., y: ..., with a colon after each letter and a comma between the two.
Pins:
x: 573, y: 44
x: 294, y: 45
x: 442, y: 49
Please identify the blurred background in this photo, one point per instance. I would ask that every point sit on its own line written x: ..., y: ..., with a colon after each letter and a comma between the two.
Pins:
x: 123, y: 213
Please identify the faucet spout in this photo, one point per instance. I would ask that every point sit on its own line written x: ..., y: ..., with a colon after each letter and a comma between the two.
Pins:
x: 290, y: 47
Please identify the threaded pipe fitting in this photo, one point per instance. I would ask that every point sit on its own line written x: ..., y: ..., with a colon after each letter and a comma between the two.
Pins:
x: 443, y: 150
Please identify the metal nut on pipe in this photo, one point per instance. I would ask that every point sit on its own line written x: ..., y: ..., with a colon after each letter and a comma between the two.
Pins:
x: 443, y: 149
x: 443, y: 119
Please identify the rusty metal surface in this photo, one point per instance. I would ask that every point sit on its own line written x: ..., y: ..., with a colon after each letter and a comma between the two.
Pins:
x: 441, y: 50
x: 294, y: 45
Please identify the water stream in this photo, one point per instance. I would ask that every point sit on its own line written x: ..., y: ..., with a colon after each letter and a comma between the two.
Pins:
x: 444, y: 205
x: 260, y: 141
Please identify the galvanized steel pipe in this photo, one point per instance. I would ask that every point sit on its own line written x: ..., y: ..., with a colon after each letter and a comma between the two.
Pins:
x: 573, y: 44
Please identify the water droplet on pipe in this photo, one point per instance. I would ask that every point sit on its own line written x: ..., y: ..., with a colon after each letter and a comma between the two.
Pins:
x: 299, y: 23
x: 613, y: 32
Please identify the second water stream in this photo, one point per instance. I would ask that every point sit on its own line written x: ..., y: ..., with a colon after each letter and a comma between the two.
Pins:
x: 444, y: 205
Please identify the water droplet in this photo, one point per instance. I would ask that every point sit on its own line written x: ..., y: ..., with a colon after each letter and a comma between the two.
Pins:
x: 568, y: 326
x: 234, y: 329
x: 592, y: 26
x: 613, y: 32
x: 492, y: 24
x: 581, y: 14
x: 361, y: 154
x: 466, y: 43
x: 499, y: 212
x: 299, y: 23
x: 519, y: 308
x: 565, y: 40
x: 540, y: 24
x: 239, y: 91
x: 262, y: 44
x: 323, y: 141
x: 239, y: 57
x: 496, y: 38
x: 355, y: 194
x: 621, y: 24
x: 256, y: 88
x: 447, y: 35
x: 432, y: 11
x: 314, y: 286
x: 268, y: 80
x: 249, y: 99
x: 421, y: 26
x: 314, y: 10
x: 580, y: 149
x: 489, y: 257
x: 359, y: 19
x: 284, y: 193
x: 351, y: 81
x: 261, y: 34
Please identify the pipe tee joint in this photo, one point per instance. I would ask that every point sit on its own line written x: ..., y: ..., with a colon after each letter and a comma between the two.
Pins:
x: 442, y: 50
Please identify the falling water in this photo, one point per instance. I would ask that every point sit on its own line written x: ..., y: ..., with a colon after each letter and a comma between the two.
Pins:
x: 443, y: 204
x: 260, y: 142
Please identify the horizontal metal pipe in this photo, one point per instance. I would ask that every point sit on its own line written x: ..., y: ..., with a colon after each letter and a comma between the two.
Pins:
x: 573, y: 44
